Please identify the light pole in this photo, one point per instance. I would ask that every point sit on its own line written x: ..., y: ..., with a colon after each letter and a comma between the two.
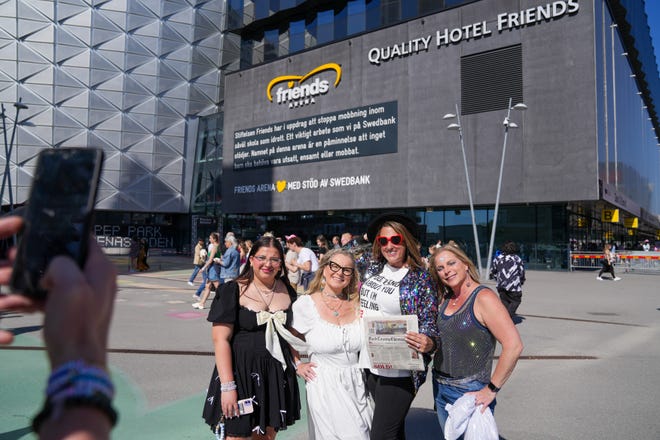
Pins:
x: 457, y: 126
x: 6, y: 178
x: 507, y: 124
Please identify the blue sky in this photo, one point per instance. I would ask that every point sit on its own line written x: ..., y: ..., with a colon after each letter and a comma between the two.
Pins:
x: 653, y: 12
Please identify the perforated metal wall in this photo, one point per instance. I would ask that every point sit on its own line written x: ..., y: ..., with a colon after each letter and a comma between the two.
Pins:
x: 125, y: 76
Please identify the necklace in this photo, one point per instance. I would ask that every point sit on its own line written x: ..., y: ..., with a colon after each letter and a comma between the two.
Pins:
x: 335, y: 311
x: 268, y: 292
x: 455, y: 300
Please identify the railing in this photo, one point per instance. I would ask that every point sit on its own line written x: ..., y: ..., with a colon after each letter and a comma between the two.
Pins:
x: 628, y: 261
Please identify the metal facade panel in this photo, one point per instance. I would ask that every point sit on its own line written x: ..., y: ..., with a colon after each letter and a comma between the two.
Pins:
x: 123, y: 81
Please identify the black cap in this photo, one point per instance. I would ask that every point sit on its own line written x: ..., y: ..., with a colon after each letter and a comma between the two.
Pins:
x: 399, y: 217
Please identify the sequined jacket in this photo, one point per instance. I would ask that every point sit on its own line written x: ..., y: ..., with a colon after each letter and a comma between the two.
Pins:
x: 416, y: 297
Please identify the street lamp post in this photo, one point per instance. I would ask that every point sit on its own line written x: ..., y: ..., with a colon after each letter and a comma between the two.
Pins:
x: 507, y: 124
x: 457, y: 126
x: 6, y: 178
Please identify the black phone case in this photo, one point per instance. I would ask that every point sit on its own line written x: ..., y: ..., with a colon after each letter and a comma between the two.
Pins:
x: 58, y: 216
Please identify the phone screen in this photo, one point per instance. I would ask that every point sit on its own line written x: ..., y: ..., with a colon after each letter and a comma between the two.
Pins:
x: 58, y: 215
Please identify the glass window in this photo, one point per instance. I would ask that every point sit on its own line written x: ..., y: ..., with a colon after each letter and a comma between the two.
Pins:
x: 373, y: 15
x: 409, y: 10
x: 261, y: 9
x: 341, y: 23
x: 234, y: 14
x: 271, y: 44
x: 391, y: 11
x: 357, y: 19
x: 428, y: 6
x: 325, y: 26
x: 458, y: 227
x: 296, y: 36
x: 207, y: 176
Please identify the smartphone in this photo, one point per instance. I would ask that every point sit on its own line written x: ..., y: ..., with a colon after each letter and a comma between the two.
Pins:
x: 58, y: 216
x: 245, y: 406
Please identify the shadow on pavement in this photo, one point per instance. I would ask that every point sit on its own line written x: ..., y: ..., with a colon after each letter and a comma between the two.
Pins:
x: 422, y: 424
x: 15, y: 434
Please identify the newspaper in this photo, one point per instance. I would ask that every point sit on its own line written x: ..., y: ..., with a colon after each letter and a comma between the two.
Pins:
x: 386, y: 345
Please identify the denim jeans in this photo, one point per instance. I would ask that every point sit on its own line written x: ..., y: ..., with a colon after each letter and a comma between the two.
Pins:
x: 201, y: 287
x: 444, y: 394
x: 194, y: 273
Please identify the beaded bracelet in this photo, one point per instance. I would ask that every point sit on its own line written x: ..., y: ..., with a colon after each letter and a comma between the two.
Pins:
x: 76, y: 384
x: 228, y: 386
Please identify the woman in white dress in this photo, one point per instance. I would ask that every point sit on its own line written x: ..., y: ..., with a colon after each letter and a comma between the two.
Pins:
x: 328, y: 319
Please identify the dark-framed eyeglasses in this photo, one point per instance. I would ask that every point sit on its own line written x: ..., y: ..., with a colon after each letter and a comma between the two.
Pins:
x: 263, y: 259
x: 347, y: 271
x: 395, y: 239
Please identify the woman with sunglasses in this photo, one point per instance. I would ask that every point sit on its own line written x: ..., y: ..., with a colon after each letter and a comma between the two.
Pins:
x: 338, y: 406
x: 472, y: 319
x: 394, y: 283
x: 253, y: 359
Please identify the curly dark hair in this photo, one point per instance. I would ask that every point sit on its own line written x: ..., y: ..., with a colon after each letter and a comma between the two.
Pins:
x: 510, y: 248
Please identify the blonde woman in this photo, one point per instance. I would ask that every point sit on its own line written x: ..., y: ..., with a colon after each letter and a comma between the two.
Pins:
x: 328, y: 319
x: 608, y: 263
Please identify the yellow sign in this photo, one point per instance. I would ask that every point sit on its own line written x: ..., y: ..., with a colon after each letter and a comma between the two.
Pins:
x: 631, y: 222
x: 610, y: 215
x: 581, y: 222
x: 631, y: 232
x: 296, y: 93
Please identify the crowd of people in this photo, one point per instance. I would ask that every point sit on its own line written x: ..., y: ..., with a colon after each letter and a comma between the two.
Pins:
x: 281, y: 311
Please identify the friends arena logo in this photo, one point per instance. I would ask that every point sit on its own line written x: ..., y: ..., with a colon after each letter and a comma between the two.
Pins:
x: 302, y: 90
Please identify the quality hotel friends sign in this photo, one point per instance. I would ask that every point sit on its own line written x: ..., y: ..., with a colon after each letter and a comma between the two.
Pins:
x: 504, y: 21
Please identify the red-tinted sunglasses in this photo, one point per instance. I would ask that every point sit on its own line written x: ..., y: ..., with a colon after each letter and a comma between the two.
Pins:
x: 395, y: 239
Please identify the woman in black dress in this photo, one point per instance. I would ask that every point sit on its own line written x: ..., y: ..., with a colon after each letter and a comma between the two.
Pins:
x: 252, y: 355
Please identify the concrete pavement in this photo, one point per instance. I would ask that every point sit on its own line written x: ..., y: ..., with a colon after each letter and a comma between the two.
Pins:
x: 589, y: 368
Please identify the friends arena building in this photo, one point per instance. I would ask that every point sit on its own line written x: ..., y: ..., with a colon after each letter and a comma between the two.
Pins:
x: 328, y: 112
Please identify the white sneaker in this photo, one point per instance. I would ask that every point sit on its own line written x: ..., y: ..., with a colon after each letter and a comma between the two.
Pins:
x: 190, y: 283
x: 616, y: 278
x: 599, y: 278
x: 196, y: 297
x: 198, y: 306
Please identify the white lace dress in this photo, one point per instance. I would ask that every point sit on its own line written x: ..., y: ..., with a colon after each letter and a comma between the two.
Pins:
x: 337, y: 401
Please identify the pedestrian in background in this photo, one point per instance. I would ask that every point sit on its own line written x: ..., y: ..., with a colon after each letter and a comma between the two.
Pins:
x: 212, y: 270
x: 322, y: 243
x: 133, y: 252
x: 292, y: 273
x: 198, y: 260
x: 230, y: 261
x: 509, y: 272
x: 307, y: 263
x: 608, y: 264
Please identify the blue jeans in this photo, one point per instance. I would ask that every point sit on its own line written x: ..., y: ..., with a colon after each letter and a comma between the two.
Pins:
x: 201, y: 287
x: 444, y: 394
x: 194, y: 273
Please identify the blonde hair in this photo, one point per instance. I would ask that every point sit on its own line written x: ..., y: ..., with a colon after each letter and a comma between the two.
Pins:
x: 453, y: 248
x: 316, y: 285
x: 413, y: 256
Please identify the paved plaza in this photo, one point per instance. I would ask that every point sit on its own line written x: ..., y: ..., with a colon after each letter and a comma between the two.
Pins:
x: 589, y: 368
